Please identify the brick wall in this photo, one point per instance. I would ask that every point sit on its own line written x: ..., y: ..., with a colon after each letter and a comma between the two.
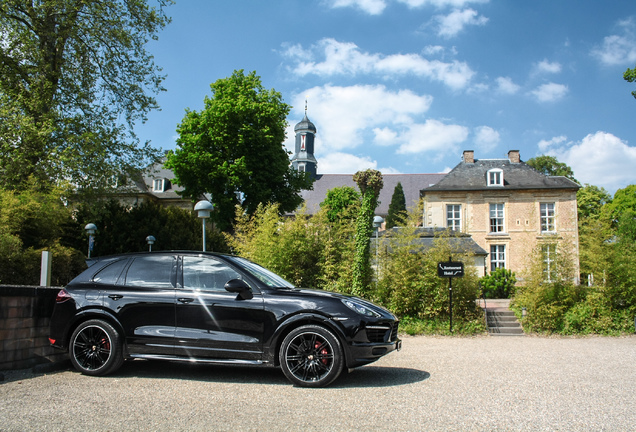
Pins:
x: 25, y: 313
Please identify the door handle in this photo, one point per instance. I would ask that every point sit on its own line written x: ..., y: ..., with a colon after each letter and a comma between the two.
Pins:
x: 115, y: 296
x: 185, y: 300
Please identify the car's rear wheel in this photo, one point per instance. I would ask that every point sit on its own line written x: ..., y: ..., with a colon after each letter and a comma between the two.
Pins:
x: 96, y: 348
x: 311, y: 356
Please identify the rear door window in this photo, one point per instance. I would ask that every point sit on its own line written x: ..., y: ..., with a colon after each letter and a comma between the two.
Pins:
x: 156, y: 271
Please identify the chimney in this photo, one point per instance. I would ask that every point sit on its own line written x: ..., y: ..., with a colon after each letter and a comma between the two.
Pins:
x: 469, y: 156
x: 514, y: 157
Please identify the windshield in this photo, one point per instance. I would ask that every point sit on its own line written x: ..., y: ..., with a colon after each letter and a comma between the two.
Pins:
x: 262, y: 274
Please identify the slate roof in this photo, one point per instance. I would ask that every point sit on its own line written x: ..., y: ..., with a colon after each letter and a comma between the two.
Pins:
x: 411, y: 183
x: 426, y: 239
x: 517, y: 176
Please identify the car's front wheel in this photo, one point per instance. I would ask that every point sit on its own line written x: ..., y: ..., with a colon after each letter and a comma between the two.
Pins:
x: 96, y: 348
x: 311, y: 356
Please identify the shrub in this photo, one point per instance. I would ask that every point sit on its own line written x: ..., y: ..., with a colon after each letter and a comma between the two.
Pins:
x: 498, y: 284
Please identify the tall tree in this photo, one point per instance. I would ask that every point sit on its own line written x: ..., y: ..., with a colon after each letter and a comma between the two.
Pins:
x: 341, y: 202
x: 233, y: 149
x: 630, y: 76
x: 549, y: 165
x: 75, y: 77
x: 397, y: 208
x: 370, y: 183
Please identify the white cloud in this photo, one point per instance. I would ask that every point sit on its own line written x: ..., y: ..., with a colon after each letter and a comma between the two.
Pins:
x: 372, y: 7
x: 550, y: 92
x: 546, y: 145
x: 618, y: 49
x: 506, y: 86
x: 376, y: 7
x: 486, y: 138
x: 385, y: 136
x: 433, y: 135
x: 345, y: 58
x: 439, y: 3
x: 450, y: 25
x: 343, y: 115
x: 546, y: 67
x: 600, y: 159
x: 344, y: 163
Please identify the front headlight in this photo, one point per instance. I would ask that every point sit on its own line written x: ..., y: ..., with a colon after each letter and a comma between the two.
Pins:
x: 360, y: 308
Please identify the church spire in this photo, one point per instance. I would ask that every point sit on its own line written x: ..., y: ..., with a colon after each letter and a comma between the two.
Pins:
x: 303, y: 159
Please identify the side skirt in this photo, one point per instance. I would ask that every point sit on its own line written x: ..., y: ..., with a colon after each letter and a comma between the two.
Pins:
x: 201, y: 360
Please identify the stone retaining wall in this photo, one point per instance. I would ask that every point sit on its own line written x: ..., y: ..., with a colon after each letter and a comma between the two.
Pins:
x: 25, y: 313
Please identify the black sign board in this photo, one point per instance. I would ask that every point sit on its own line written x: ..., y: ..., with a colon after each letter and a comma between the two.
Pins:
x: 450, y: 269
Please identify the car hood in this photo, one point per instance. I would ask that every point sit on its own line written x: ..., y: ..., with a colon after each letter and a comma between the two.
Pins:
x: 330, y: 294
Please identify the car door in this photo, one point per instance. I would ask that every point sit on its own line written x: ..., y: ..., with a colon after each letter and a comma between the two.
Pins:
x: 212, y: 322
x: 144, y: 302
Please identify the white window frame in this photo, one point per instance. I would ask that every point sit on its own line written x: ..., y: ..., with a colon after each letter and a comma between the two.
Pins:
x: 454, y: 216
x: 549, y: 252
x: 158, y: 185
x: 548, y: 217
x: 495, y: 177
x: 497, y: 215
x: 497, y: 256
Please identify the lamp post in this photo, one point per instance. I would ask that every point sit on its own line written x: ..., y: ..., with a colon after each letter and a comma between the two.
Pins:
x: 377, y: 223
x: 203, y: 209
x: 90, y: 228
x: 151, y: 240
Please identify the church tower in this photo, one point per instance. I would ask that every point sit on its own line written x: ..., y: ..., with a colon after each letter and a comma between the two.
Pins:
x: 303, y: 159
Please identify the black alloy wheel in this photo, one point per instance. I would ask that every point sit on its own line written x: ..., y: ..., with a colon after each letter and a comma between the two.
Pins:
x: 96, y: 348
x: 311, y: 356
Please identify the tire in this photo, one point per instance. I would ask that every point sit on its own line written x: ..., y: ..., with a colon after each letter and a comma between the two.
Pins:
x: 311, y: 356
x: 96, y: 348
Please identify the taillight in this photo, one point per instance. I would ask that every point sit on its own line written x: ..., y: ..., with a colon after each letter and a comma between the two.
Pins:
x: 62, y: 296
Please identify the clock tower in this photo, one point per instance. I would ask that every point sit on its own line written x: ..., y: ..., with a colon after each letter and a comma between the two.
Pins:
x: 303, y: 159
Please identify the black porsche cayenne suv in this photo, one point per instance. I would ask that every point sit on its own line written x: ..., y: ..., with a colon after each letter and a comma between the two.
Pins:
x: 206, y: 307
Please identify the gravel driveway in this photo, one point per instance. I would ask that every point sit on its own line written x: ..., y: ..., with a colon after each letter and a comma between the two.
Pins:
x: 434, y: 383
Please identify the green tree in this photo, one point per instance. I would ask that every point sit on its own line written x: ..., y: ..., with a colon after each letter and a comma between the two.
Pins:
x: 370, y: 183
x: 290, y: 247
x: 630, y: 76
x: 397, y: 207
x: 124, y: 229
x: 621, y: 206
x: 590, y: 200
x: 32, y: 221
x: 234, y: 147
x: 595, y: 232
x: 75, y: 77
x: 549, y: 165
x: 341, y: 202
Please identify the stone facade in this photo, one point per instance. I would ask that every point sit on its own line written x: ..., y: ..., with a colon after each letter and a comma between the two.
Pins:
x: 510, y: 219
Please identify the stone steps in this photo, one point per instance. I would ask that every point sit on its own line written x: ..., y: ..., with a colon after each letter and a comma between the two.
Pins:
x: 502, y: 321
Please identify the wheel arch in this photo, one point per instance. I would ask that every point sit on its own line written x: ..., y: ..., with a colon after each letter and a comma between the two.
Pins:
x: 101, y: 314
x: 300, y: 320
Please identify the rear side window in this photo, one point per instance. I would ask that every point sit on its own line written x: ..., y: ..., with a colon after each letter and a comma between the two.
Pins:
x: 158, y: 271
x: 109, y: 274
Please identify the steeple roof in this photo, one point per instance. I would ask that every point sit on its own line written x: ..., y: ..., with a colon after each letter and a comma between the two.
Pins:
x: 305, y: 124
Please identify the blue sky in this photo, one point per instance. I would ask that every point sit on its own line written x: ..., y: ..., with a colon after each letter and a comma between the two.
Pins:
x: 404, y: 86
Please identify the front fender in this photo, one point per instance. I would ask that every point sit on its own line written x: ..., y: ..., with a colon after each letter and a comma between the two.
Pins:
x: 272, y: 346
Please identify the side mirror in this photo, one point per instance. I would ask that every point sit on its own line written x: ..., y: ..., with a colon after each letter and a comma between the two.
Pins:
x: 239, y: 287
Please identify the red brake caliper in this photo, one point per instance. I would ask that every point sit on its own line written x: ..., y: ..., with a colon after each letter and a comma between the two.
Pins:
x: 323, y: 351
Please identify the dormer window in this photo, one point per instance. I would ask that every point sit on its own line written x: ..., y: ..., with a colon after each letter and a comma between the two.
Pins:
x: 495, y: 177
x: 158, y: 185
